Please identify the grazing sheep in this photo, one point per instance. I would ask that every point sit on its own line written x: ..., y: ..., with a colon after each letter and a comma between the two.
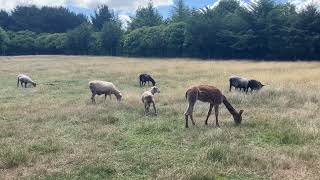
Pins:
x: 254, y: 85
x: 24, y: 79
x: 103, y: 87
x: 148, y: 98
x: 143, y: 78
x: 238, y: 83
x: 210, y: 95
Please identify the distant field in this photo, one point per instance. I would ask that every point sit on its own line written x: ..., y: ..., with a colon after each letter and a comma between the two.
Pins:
x: 54, y: 132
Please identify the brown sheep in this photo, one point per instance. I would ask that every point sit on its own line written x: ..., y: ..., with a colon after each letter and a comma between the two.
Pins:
x: 212, y: 95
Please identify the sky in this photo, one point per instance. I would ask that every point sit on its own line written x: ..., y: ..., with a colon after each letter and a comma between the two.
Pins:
x: 126, y: 8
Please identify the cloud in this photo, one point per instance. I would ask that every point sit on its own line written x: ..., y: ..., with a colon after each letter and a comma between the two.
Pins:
x: 301, y: 4
x: 242, y: 3
x: 123, y: 6
x: 125, y: 19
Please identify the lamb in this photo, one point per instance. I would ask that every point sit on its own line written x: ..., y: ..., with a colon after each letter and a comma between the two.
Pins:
x: 254, y: 85
x: 238, y: 82
x: 143, y: 78
x: 148, y: 98
x: 24, y: 79
x: 212, y: 95
x: 102, y: 87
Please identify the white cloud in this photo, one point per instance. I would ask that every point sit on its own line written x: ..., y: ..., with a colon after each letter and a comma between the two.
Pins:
x: 242, y: 3
x: 123, y: 6
x: 125, y: 19
x: 301, y: 4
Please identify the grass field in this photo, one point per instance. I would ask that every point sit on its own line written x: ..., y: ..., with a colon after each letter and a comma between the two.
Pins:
x: 54, y: 132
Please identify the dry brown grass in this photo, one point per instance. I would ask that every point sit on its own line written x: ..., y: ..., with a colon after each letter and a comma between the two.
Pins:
x: 53, y: 131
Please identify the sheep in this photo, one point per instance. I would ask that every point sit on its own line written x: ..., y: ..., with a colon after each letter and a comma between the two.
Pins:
x: 212, y: 95
x: 143, y: 78
x: 102, y: 87
x: 238, y: 82
x: 148, y: 98
x: 254, y: 85
x: 24, y: 79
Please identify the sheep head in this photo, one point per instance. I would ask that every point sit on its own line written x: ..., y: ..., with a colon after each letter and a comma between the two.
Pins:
x: 155, y: 89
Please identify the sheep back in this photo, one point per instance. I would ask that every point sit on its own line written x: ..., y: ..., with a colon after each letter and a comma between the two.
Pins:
x: 238, y: 82
x: 102, y: 87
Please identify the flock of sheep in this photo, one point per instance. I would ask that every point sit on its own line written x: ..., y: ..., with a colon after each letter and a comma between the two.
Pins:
x: 204, y: 93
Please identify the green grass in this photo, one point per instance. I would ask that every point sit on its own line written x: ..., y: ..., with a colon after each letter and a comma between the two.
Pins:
x: 54, y: 132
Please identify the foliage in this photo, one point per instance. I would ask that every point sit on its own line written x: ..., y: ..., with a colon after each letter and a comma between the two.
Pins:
x: 145, y: 16
x: 4, y: 40
x: 101, y: 16
x: 111, y: 35
x: 79, y: 39
x: 262, y: 29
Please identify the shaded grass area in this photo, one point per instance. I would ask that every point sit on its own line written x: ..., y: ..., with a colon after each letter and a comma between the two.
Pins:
x: 54, y: 132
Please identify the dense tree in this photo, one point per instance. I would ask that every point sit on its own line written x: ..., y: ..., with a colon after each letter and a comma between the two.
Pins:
x: 263, y: 29
x: 145, y: 16
x: 181, y: 11
x: 45, y: 19
x: 5, y: 19
x: 22, y: 42
x: 111, y: 35
x: 51, y: 43
x: 4, y: 40
x: 102, y: 15
x: 79, y: 40
x: 174, y: 37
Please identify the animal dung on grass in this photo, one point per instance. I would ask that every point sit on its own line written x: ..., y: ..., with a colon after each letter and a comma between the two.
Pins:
x: 98, y: 87
x: 214, y: 97
x: 24, y: 80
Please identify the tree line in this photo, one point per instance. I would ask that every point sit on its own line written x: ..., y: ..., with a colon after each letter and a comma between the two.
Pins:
x: 261, y: 30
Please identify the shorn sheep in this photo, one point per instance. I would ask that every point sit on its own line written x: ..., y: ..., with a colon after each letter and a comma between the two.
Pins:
x: 254, y: 85
x: 238, y: 83
x: 210, y: 95
x: 148, y: 99
x: 103, y: 87
x: 24, y: 79
x: 143, y: 78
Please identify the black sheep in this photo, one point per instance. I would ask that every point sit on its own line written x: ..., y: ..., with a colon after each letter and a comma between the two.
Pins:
x: 146, y: 78
x: 254, y: 85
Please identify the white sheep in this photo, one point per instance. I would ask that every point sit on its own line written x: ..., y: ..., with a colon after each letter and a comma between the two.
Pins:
x: 102, y: 87
x: 24, y: 79
x: 148, y: 99
x: 238, y: 82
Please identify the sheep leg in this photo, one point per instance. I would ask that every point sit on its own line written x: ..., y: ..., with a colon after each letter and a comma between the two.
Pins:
x: 145, y: 108
x: 230, y: 87
x: 21, y: 84
x: 105, y: 96
x: 189, y: 112
x: 154, y: 107
x: 186, y: 117
x: 209, y: 113
x: 92, y: 98
x: 216, y: 112
x: 18, y: 83
x: 110, y: 96
x: 25, y: 85
x: 148, y: 83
